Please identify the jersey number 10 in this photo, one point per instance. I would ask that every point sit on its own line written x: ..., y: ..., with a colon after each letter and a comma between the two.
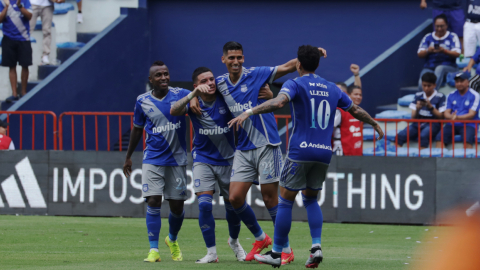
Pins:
x: 321, y: 112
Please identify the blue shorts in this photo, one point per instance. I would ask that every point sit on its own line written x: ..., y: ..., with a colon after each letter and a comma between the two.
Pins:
x: 447, y: 134
x: 456, y: 20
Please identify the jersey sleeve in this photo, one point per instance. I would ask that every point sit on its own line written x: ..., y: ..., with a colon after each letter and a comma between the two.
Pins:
x: 449, y: 101
x: 139, y: 117
x: 338, y: 118
x: 423, y: 44
x: 266, y: 74
x: 11, y: 146
x: 344, y: 102
x: 413, y: 105
x: 442, y: 106
x: 474, y: 104
x: 28, y: 6
x: 456, y: 43
x: 476, y: 57
x: 289, y: 88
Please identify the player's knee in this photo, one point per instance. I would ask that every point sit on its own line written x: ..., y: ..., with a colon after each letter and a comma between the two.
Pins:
x: 154, y: 201
x: 236, y: 200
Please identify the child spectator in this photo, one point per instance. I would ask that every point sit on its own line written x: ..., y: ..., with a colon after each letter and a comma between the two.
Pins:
x: 462, y: 104
x: 440, y: 50
x: 16, y: 47
x: 5, y: 141
x: 428, y: 104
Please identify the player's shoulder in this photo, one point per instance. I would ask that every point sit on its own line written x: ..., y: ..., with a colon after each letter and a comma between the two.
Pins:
x: 439, y: 95
x: 418, y: 94
x: 176, y: 90
x: 143, y: 96
x: 222, y: 78
x: 452, y: 35
x: 474, y: 93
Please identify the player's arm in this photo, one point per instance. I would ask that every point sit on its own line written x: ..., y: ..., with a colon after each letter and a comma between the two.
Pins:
x: 468, y: 116
x: 355, y: 69
x: 291, y: 66
x: 27, y: 14
x: 360, y: 114
x: 267, y: 107
x: 135, y: 137
x: 3, y: 14
x: 179, y: 107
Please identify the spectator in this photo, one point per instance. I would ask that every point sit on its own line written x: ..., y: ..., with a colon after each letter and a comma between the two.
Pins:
x: 475, y: 81
x: 462, y: 104
x: 440, y: 49
x: 337, y: 136
x: 16, y: 45
x: 5, y: 142
x: 428, y: 104
x: 471, y: 28
x: 79, y: 15
x: 453, y: 11
x: 349, y: 143
x: 44, y: 9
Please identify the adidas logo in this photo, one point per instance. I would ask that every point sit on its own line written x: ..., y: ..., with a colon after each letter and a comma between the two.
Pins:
x: 183, y: 193
x: 150, y: 234
x: 29, y: 184
x: 150, y: 111
x: 204, y: 227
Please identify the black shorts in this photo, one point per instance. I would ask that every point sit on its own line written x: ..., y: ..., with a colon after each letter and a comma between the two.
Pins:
x: 14, y: 51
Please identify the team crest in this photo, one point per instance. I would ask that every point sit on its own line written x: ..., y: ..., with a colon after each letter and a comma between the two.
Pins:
x: 197, y: 182
x: 222, y: 110
x: 233, y: 172
x: 467, y: 103
x: 454, y: 102
x: 447, y: 42
x: 145, y: 187
x: 243, y: 88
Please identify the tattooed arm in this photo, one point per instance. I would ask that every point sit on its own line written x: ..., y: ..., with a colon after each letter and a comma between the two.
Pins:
x: 179, y: 107
x: 267, y: 107
x: 362, y: 115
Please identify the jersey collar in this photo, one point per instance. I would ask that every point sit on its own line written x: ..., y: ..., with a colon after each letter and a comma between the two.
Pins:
x: 241, y: 76
x: 430, y: 98
x: 151, y: 94
x: 440, y: 38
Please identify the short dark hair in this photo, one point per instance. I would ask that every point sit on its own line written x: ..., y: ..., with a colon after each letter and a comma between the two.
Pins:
x: 158, y: 63
x: 441, y: 16
x: 309, y: 57
x: 353, y: 87
x: 232, y: 46
x: 199, y: 71
x: 429, y: 77
x: 342, y: 84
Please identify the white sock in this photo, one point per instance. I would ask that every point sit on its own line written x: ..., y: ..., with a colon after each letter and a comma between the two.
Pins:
x: 286, y: 250
x: 154, y: 249
x: 211, y: 250
x: 316, y: 245
x: 232, y: 241
x: 261, y: 237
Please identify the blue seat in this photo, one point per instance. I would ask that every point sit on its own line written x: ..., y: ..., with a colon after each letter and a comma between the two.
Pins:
x: 406, y: 100
x: 62, y: 8
x: 369, y: 152
x: 436, y: 152
x: 393, y: 114
x: 460, y: 153
x: 406, y: 152
x: 69, y: 45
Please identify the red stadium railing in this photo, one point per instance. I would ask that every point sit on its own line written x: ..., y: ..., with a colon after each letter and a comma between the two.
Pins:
x: 383, y: 124
x: 31, y: 116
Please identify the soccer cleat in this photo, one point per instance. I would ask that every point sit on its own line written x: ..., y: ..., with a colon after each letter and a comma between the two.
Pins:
x: 174, y: 249
x: 153, y: 256
x: 258, y: 246
x: 271, y: 258
x: 316, y: 257
x: 209, y: 258
x: 238, y: 250
x: 288, y: 257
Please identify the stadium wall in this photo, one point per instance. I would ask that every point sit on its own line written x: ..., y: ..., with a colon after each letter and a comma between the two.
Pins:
x: 358, y: 189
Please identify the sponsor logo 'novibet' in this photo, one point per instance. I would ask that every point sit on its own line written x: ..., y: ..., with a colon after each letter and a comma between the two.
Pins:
x: 29, y: 184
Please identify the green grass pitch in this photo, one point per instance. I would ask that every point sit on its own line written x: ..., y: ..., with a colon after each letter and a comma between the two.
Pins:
x: 47, y: 242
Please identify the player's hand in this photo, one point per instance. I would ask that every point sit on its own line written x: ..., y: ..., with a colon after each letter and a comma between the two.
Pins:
x: 431, y: 50
x: 195, y: 106
x: 238, y: 120
x: 6, y: 3
x: 127, y: 167
x: 420, y: 105
x: 203, y: 88
x: 265, y: 92
x: 454, y: 115
x: 379, y: 130
x: 355, y: 69
x: 323, y: 52
x: 423, y: 4
x: 18, y: 2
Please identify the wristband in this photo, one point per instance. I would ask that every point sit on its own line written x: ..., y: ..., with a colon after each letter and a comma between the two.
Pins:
x: 355, y: 75
x: 190, y: 96
x: 249, y: 112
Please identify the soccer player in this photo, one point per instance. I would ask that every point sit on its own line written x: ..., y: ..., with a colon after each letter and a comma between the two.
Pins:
x: 312, y: 101
x: 258, y: 158
x: 213, y: 151
x: 164, y: 159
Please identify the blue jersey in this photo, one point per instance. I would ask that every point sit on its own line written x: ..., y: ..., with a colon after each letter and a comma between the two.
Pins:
x: 473, y: 10
x: 166, y: 141
x: 449, y: 41
x: 214, y: 141
x: 476, y: 58
x: 437, y: 100
x: 313, y: 101
x: 258, y: 130
x: 16, y: 26
x: 447, y: 4
x: 463, y: 104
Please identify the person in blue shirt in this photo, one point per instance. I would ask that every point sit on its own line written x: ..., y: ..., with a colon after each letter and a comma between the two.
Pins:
x: 440, y: 50
x: 462, y: 104
x: 16, y: 48
x: 471, y: 28
x: 164, y: 158
x: 313, y: 101
x: 475, y: 80
x: 428, y: 104
x: 452, y: 10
